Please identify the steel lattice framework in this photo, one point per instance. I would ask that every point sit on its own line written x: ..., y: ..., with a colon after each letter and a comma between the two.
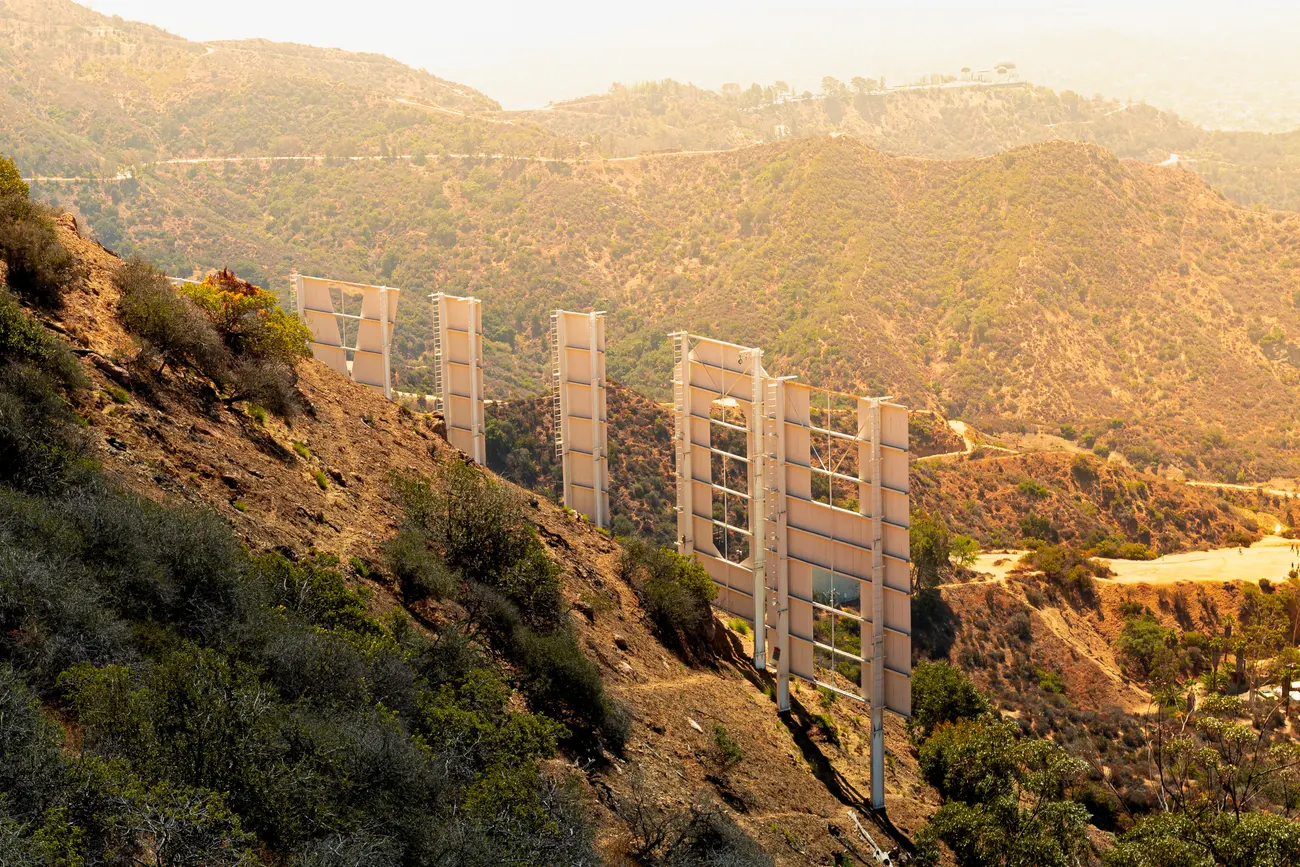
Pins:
x: 458, y: 371
x: 365, y: 355
x: 820, y: 480
x: 581, y: 423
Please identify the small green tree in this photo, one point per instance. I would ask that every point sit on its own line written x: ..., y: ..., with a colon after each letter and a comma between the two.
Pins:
x: 930, y: 549
x: 11, y: 182
x: 942, y: 694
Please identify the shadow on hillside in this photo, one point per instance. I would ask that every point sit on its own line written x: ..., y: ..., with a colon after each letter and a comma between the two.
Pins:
x: 934, y: 625
x: 800, y: 724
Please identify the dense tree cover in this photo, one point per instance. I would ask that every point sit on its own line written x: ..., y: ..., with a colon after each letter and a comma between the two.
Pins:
x: 1226, y: 790
x: 1249, y: 167
x: 91, y: 98
x: 520, y: 446
x: 1005, y: 797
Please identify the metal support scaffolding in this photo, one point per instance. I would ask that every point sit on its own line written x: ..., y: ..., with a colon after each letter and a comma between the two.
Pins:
x: 827, y: 567
x: 458, y: 371
x: 366, y: 357
x: 581, y: 436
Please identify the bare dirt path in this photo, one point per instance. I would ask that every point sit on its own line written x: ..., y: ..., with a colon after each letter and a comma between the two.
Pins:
x: 1272, y: 557
x: 963, y: 430
x: 1276, y: 492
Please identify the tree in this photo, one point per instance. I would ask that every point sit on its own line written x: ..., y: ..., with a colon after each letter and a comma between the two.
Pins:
x: 930, y: 549
x: 942, y: 694
x: 1227, y: 791
x: 832, y: 87
x: 11, y: 182
x: 1005, y: 803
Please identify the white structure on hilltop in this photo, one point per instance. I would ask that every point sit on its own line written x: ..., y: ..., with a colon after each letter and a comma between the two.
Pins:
x: 581, y: 421
x: 458, y: 371
x: 357, y: 345
x: 796, y: 501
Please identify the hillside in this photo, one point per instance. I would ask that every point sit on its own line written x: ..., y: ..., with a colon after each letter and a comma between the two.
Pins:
x: 91, y: 95
x: 949, y: 122
x: 320, y: 484
x: 1054, y: 284
x: 307, y: 633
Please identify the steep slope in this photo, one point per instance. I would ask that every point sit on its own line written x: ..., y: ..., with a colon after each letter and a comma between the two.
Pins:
x: 1052, y: 284
x: 795, y: 784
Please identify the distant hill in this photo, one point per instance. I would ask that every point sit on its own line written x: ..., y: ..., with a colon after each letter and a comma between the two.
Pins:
x: 950, y: 122
x: 1051, y: 284
x: 91, y: 94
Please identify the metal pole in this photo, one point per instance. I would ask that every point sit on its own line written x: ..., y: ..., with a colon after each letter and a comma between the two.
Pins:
x: 383, y: 341
x: 777, y: 410
x: 597, y: 443
x: 757, y: 515
x: 877, y: 619
x: 685, y: 471
x: 562, y: 381
x: 475, y: 397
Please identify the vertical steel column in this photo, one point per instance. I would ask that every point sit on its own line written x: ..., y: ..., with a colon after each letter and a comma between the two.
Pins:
x: 597, y: 447
x: 877, y: 618
x: 383, y: 341
x: 444, y: 368
x: 777, y: 413
x: 685, y: 472
x: 562, y: 377
x: 295, y: 279
x: 757, y: 512
x: 476, y: 423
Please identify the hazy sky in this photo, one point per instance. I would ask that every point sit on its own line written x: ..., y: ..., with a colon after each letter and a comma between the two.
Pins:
x: 526, y: 54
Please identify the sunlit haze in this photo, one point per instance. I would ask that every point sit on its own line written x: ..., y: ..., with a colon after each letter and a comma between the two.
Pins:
x: 1202, y: 59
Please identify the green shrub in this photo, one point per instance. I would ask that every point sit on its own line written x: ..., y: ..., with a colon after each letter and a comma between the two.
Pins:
x: 37, y: 266
x: 559, y: 680
x: 322, y: 481
x: 41, y: 442
x: 738, y: 625
x: 420, y: 573
x: 257, y: 413
x: 302, y: 450
x: 1034, y: 526
x: 169, y: 326
x: 1031, y: 488
x: 725, y: 752
x: 676, y: 593
x: 24, y: 340
x: 942, y: 694
x: 1051, y: 681
x: 118, y: 395
x: 11, y: 180
x: 1068, y: 569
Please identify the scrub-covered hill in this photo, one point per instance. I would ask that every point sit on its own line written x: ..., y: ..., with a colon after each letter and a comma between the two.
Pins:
x: 1053, y: 284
